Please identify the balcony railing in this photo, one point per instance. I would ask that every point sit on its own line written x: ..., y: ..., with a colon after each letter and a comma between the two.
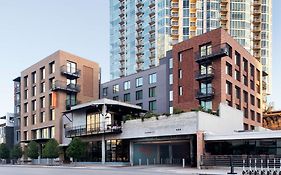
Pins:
x: 205, y: 93
x: 60, y: 85
x: 71, y: 73
x: 205, y: 75
x: 212, y: 53
x: 92, y: 129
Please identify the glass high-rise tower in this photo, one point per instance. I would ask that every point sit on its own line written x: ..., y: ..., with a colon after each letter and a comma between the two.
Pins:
x: 143, y: 30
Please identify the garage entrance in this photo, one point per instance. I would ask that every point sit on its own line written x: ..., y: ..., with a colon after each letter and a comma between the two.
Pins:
x: 164, y: 152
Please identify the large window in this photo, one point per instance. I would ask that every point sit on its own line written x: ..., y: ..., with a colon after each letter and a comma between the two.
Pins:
x: 104, y: 91
x: 139, y: 82
x: 42, y: 73
x: 71, y: 67
x: 117, y: 150
x: 127, y: 85
x: 152, y: 92
x: 152, y: 78
x: 115, y: 88
x: 127, y: 97
x: 33, y: 76
x: 207, y: 105
x: 205, y: 50
x: 33, y: 105
x: 228, y: 88
x: 52, y: 67
x: 152, y: 105
x: 42, y: 117
x: 180, y: 91
x: 139, y: 95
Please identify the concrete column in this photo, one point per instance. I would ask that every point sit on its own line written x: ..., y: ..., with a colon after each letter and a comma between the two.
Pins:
x: 170, y: 154
x: 103, y: 150
x: 158, y: 155
x: 131, y: 153
x: 200, y: 147
x: 102, y: 117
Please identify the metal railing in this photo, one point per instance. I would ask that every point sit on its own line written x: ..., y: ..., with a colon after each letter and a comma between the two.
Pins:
x: 213, y: 52
x: 205, y: 93
x: 60, y: 85
x: 207, y: 74
x: 241, y: 160
x: 92, y: 129
x: 68, y: 71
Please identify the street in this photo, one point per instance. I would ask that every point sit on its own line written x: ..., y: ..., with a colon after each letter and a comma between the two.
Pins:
x: 100, y: 170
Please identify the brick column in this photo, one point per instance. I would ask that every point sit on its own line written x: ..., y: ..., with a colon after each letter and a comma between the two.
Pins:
x: 200, y: 147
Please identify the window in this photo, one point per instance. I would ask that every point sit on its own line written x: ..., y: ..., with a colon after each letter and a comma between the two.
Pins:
x: 42, y: 102
x: 180, y: 57
x: 33, y: 120
x: 207, y: 105
x: 43, y: 87
x: 25, y: 121
x: 245, y: 63
x: 127, y: 97
x: 253, y: 115
x: 42, y: 117
x: 115, y: 88
x: 127, y: 85
x: 252, y: 84
x: 237, y: 58
x: 26, y: 94
x: 180, y: 91
x: 116, y: 98
x: 71, y: 67
x: 252, y: 100
x: 152, y: 78
x: 51, y: 82
x: 152, y: 105
x: 25, y: 81
x: 252, y: 70
x: 245, y: 96
x: 228, y: 88
x: 104, y: 91
x: 42, y: 73
x: 25, y: 135
x: 237, y: 92
x: 237, y: 75
x: 245, y: 79
x: 139, y: 95
x: 33, y: 105
x: 52, y: 67
x: 171, y: 96
x: 52, y: 132
x: 152, y: 92
x: 171, y: 63
x: 139, y: 82
x: 52, y: 114
x: 171, y: 79
x: 259, y: 117
x: 205, y: 50
x: 25, y: 107
x: 246, y: 112
x: 258, y: 103
x: 228, y: 69
x: 33, y: 91
x: 180, y: 74
x: 33, y: 76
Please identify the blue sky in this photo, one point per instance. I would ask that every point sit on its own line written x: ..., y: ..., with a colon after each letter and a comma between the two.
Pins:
x: 31, y: 30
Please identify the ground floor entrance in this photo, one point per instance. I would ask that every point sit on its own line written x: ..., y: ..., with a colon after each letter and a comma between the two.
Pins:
x: 170, y: 150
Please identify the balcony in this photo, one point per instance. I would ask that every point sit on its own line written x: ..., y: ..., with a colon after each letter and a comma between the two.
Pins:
x: 139, y: 13
x: 206, y: 75
x: 62, y: 86
x: 205, y: 94
x: 139, y: 3
x: 151, y: 14
x: 71, y: 73
x: 212, y: 53
x: 175, y: 15
x: 175, y: 5
x: 92, y: 129
x: 152, y: 4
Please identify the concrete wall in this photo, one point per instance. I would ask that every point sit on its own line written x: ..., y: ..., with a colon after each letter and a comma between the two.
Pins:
x: 229, y: 120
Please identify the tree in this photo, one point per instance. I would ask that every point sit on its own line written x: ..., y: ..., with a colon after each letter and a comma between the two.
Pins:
x: 4, y: 151
x: 16, y: 152
x: 76, y: 149
x: 32, y: 150
x: 51, y: 149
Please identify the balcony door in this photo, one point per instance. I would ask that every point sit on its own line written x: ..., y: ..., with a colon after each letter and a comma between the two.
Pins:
x: 71, y: 67
x: 93, y: 122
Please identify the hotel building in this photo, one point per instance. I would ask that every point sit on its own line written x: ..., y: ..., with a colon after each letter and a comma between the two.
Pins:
x: 49, y: 88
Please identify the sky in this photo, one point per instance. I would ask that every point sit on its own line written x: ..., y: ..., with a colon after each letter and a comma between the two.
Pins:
x: 30, y: 30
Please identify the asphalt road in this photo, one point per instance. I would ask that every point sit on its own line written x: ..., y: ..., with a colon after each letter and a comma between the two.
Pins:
x: 33, y: 170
